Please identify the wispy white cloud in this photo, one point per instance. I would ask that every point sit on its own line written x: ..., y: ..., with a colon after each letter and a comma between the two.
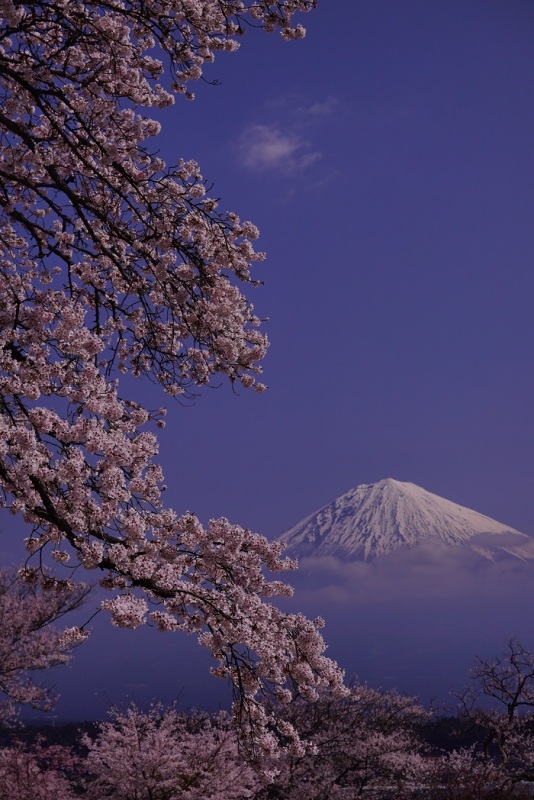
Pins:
x: 268, y: 147
x: 302, y: 110
x: 321, y: 108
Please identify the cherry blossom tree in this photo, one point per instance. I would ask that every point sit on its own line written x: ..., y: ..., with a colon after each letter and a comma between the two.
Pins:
x: 36, y: 772
x: 359, y: 744
x: 499, y: 702
x: 114, y: 264
x: 161, y: 754
x: 466, y: 774
x: 29, y: 641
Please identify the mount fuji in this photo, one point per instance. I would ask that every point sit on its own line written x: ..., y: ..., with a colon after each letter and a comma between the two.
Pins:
x: 411, y: 586
x: 376, y: 519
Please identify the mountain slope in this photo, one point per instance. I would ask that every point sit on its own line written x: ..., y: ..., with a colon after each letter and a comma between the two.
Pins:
x: 375, y: 519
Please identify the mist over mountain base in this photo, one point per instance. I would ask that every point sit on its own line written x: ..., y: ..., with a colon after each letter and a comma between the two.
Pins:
x: 416, y: 618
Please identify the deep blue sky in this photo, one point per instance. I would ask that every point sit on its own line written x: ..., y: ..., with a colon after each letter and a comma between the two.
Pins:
x: 398, y: 225
x: 388, y: 161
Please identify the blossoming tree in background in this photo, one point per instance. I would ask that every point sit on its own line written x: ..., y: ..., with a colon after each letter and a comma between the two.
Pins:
x: 28, y: 640
x: 500, y: 702
x: 364, y: 744
x: 160, y: 754
x: 113, y: 263
x: 37, y: 772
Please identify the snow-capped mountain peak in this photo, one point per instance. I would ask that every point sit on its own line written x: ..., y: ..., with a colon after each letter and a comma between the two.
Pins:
x: 375, y: 519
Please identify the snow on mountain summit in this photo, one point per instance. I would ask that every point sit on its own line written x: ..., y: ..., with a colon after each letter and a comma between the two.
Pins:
x: 377, y: 518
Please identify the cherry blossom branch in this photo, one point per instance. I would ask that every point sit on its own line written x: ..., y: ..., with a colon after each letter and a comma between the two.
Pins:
x: 113, y: 263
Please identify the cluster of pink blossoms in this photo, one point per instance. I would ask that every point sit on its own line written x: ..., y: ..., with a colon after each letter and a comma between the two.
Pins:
x: 113, y: 263
x: 28, y: 641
